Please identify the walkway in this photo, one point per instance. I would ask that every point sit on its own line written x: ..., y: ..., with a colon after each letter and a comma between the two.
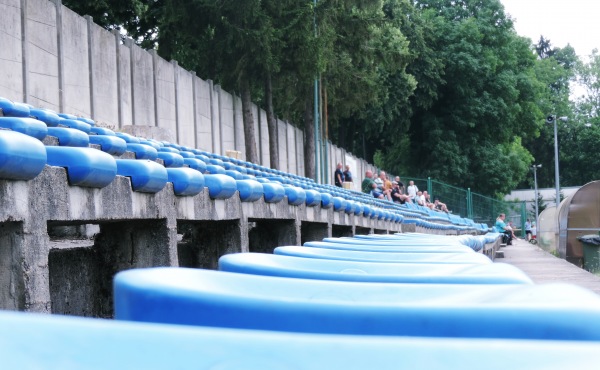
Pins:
x: 543, y: 267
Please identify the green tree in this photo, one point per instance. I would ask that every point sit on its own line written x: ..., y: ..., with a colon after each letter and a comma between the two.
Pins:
x: 138, y: 18
x: 479, y: 104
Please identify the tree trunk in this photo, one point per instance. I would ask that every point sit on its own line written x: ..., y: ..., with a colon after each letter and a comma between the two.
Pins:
x: 249, y: 134
x: 309, y: 138
x: 272, y: 124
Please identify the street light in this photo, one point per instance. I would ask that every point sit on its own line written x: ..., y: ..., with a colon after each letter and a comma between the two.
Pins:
x: 553, y: 119
x: 535, y: 167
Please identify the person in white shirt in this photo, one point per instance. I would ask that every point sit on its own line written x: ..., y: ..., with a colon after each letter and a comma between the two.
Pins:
x: 412, y: 190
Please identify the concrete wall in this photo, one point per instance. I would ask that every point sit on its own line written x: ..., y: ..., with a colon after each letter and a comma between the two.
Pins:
x: 53, y: 58
x: 11, y: 52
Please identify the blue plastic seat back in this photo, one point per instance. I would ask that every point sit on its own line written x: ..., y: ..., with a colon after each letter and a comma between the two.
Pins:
x: 146, y: 176
x: 374, y: 247
x: 273, y: 192
x: 69, y: 136
x: 402, y: 257
x: 110, y: 144
x: 28, y: 126
x: 141, y: 151
x: 86, y: 167
x: 322, y: 269
x: 22, y: 157
x: 12, y: 109
x: 186, y: 181
x: 220, y: 186
x: 221, y: 299
x: 49, y: 117
x: 249, y: 190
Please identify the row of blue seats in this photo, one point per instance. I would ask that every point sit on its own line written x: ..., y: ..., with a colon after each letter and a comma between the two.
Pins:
x: 266, y: 311
x: 188, y: 169
x: 396, y: 297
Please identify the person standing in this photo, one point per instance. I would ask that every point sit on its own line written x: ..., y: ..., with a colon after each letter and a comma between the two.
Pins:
x: 412, y: 190
x: 528, y: 230
x: 347, y: 174
x: 339, y: 176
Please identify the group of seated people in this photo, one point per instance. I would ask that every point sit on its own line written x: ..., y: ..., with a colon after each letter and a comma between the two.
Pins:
x: 340, y: 177
x: 382, y: 188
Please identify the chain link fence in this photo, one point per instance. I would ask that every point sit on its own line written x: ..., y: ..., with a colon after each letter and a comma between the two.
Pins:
x: 465, y: 203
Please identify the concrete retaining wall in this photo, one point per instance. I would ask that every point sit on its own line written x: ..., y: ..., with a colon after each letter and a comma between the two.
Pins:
x: 53, y: 58
x: 61, y: 245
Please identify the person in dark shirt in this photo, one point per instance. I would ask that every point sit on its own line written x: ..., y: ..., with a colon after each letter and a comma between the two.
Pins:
x: 398, y: 195
x: 338, y: 175
x: 347, y: 174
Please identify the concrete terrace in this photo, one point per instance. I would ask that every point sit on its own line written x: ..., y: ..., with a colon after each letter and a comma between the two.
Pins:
x: 543, y: 267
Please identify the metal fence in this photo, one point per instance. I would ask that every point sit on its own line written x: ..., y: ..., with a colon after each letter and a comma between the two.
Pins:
x: 464, y: 202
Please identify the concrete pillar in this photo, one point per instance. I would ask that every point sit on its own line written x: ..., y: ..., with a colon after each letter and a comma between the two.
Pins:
x: 314, y: 231
x: 266, y: 235
x: 204, y: 242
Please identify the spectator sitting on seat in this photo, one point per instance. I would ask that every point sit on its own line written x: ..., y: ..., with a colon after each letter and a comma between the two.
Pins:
x: 427, y: 198
x: 338, y: 175
x: 412, y: 190
x: 397, y: 195
x: 367, y: 182
x: 439, y: 206
x: 375, y: 192
x: 400, y: 184
x: 385, y: 189
x: 420, y: 198
x: 500, y: 227
x: 511, y: 227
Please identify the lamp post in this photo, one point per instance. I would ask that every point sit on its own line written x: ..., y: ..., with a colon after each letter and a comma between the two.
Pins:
x: 553, y: 119
x: 535, y: 167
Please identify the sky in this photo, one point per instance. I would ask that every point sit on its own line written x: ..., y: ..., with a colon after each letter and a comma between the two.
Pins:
x: 575, y: 22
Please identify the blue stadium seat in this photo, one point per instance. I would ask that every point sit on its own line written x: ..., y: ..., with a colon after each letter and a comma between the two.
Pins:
x: 326, y: 200
x: 221, y: 299
x: 130, y: 139
x: 322, y: 269
x: 382, y: 247
x: 215, y: 169
x: 89, y: 121
x: 313, y: 198
x: 296, y: 196
x: 22, y: 157
x: 47, y: 116
x: 28, y: 126
x: 220, y: 186
x: 273, y: 192
x: 75, y: 124
x: 146, y: 176
x: 69, y: 136
x: 249, y: 190
x: 110, y: 144
x: 11, y: 109
x: 86, y: 167
x: 186, y: 181
x: 369, y: 256
x: 195, y: 163
x: 102, y: 131
x: 34, y: 341
x: 171, y: 159
x: 141, y: 151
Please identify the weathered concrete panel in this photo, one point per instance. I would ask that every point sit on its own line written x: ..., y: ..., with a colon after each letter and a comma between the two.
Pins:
x: 300, y: 151
x: 76, y: 66
x: 203, y: 114
x: 291, y: 148
x: 165, y: 94
x: 226, y: 121
x: 142, y: 86
x: 216, y: 119
x: 125, y: 93
x: 238, y: 124
x: 42, y: 54
x: 282, y: 133
x: 11, y: 52
x: 105, y: 105
x: 264, y: 140
x: 185, y: 107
